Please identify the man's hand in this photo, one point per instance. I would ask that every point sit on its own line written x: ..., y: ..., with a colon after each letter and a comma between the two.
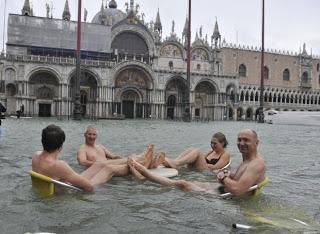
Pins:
x: 113, y: 156
x: 222, y: 175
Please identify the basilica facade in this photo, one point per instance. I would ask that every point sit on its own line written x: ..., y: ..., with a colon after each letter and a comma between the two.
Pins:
x: 129, y: 69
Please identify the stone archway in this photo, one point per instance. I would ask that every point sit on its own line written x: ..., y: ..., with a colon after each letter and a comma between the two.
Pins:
x: 175, y: 94
x: 205, y: 95
x: 171, y: 103
x: 249, y: 114
x: 44, y: 87
x: 132, y: 90
x: 88, y: 92
x: 130, y: 108
x: 11, y: 91
x: 240, y: 113
x: 230, y: 113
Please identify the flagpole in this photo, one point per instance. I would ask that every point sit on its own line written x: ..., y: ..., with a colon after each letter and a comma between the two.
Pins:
x: 77, y: 112
x: 261, y: 114
x: 187, y: 117
x: 4, y: 24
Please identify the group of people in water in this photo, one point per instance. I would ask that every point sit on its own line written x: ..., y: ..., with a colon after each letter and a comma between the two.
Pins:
x: 101, y: 164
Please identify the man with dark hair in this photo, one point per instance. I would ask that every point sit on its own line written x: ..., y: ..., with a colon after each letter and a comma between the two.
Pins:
x: 46, y: 162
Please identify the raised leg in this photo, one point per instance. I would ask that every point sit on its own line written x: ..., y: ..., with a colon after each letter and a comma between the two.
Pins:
x: 144, y: 171
x: 192, y: 157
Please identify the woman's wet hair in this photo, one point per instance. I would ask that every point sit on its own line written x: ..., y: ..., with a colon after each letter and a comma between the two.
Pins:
x: 221, y: 138
x: 53, y: 138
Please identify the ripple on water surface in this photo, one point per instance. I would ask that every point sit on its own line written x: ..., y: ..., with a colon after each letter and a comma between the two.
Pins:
x: 125, y: 205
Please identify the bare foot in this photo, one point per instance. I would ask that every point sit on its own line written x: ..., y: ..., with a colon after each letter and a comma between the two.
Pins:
x: 133, y: 170
x: 158, y: 160
x: 147, y: 156
x: 169, y: 163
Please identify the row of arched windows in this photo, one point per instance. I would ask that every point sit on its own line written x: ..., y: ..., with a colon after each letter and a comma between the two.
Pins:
x: 280, y: 98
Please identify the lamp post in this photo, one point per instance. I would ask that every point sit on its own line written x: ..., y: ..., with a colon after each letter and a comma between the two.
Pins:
x: 261, y: 114
x: 77, y: 111
x: 187, y: 114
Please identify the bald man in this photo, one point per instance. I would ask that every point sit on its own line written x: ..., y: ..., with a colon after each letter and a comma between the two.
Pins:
x: 91, y: 152
x: 252, y: 169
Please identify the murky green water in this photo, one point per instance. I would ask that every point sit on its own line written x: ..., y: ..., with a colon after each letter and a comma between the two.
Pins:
x: 127, y: 206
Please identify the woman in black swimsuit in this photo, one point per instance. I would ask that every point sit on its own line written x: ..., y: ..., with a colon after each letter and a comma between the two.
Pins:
x: 216, y: 159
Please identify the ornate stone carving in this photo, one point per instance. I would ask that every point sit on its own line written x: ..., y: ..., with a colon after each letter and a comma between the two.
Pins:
x: 170, y: 51
x: 200, y: 54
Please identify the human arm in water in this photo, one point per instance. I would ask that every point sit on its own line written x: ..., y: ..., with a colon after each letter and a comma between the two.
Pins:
x: 82, y: 157
x: 253, y: 174
x: 223, y: 161
x: 109, y: 154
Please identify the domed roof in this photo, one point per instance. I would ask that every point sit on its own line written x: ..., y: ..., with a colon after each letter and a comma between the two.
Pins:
x: 112, y: 14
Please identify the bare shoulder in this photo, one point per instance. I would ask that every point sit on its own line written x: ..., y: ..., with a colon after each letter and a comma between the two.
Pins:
x: 258, y: 164
x: 226, y: 154
x: 36, y: 154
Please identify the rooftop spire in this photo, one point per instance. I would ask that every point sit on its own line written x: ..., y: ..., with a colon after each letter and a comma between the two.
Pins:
x: 216, y: 37
x: 185, y: 29
x: 216, y: 33
x: 66, y: 12
x: 157, y: 24
x: 103, y: 16
x: 26, y: 10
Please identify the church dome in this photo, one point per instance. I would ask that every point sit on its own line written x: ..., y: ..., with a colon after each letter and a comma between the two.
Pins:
x: 111, y: 14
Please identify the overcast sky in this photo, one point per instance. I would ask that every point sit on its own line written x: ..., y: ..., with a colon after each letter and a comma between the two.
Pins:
x: 289, y: 23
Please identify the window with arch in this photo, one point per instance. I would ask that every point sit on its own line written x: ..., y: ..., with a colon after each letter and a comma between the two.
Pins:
x: 266, y: 73
x: 242, y: 70
x: 170, y: 65
x: 286, y: 74
x: 305, y: 77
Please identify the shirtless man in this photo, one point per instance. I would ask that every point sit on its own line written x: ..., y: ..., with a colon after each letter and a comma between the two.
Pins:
x: 250, y: 172
x: 91, y: 152
x: 252, y: 169
x: 46, y: 162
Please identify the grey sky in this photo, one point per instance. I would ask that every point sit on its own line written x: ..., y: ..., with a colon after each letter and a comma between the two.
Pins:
x: 289, y: 23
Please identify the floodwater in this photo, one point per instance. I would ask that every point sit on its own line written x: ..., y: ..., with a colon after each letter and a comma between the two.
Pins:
x: 124, y: 205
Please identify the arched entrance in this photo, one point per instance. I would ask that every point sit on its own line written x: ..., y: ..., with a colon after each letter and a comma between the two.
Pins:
x: 11, y: 91
x: 129, y: 108
x: 132, y: 90
x: 205, y: 98
x: 239, y: 113
x: 88, y: 92
x: 44, y: 86
x: 249, y: 114
x: 230, y: 113
x: 171, y: 103
x: 175, y: 93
